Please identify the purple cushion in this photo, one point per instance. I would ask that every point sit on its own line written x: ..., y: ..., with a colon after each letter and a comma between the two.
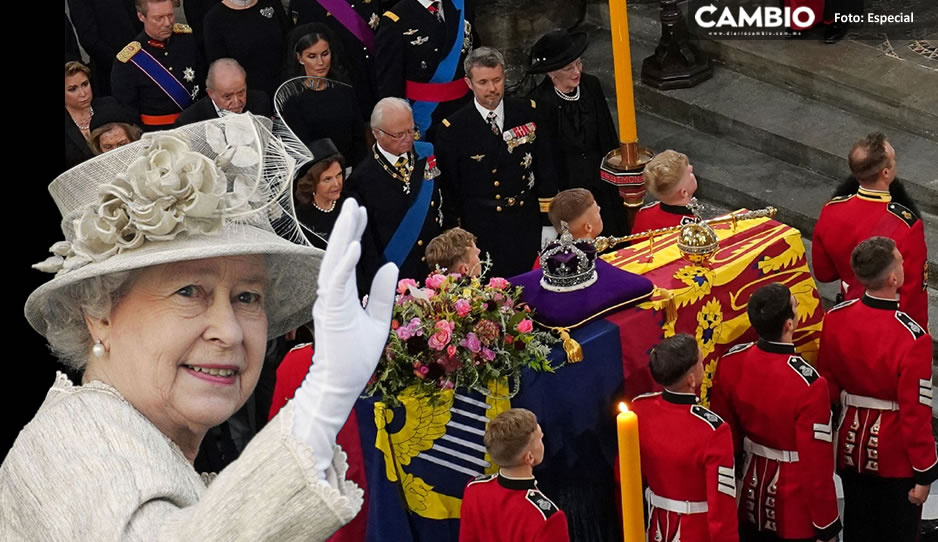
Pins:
x: 613, y: 287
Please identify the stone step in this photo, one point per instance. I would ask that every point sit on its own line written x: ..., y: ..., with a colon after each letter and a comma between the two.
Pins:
x: 849, y: 75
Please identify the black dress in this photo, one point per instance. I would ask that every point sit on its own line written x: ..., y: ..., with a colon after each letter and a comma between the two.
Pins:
x: 253, y: 36
x: 580, y: 133
x: 316, y: 224
x: 77, y: 149
x: 331, y: 112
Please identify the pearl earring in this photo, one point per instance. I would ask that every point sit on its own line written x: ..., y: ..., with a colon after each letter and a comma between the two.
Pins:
x: 98, y: 349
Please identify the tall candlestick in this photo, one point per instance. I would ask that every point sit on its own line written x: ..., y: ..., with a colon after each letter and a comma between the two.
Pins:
x: 622, y: 61
x: 630, y: 476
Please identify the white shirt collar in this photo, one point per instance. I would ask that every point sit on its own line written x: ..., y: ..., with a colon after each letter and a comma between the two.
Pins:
x: 499, y: 113
x: 392, y: 158
x: 426, y: 4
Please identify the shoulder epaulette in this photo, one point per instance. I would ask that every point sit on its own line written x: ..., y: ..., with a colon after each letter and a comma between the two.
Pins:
x: 533, y: 104
x: 843, y: 304
x: 738, y: 348
x: 300, y: 346
x: 180, y: 28
x: 482, y: 478
x: 803, y: 368
x: 712, y: 418
x: 910, y: 324
x: 446, y: 123
x: 391, y: 15
x: 545, y: 506
x: 840, y: 199
x: 903, y: 213
x: 128, y: 51
x: 650, y: 205
x: 646, y: 396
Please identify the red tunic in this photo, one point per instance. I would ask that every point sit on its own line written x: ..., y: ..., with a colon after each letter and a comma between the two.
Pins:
x: 871, y: 349
x: 657, y: 215
x: 499, y: 509
x: 771, y: 396
x: 687, y: 455
x: 847, y: 220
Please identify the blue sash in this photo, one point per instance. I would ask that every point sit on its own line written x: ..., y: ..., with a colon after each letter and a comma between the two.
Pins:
x: 402, y: 242
x: 163, y: 79
x: 423, y: 111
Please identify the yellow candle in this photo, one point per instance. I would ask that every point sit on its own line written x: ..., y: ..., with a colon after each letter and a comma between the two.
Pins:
x: 622, y: 61
x: 630, y: 476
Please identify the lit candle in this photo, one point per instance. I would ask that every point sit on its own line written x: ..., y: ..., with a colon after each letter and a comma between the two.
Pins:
x: 630, y: 476
x: 622, y: 62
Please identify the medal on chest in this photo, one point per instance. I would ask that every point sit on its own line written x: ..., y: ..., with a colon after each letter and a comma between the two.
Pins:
x: 519, y: 135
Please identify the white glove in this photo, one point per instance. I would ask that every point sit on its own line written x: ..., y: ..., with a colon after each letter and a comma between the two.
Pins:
x: 349, y: 339
x: 548, y: 234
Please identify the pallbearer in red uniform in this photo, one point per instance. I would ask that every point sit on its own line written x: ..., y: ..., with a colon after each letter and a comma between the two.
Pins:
x: 686, y: 452
x: 670, y: 178
x: 847, y: 220
x: 508, y: 506
x: 877, y: 360
x: 779, y: 410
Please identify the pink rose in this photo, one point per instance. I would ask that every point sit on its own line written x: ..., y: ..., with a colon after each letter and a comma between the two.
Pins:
x: 463, y: 307
x: 471, y: 342
x: 498, y: 283
x: 404, y: 284
x: 451, y: 350
x: 525, y: 326
x: 489, y: 355
x: 441, y: 338
x: 455, y: 276
x: 435, y: 280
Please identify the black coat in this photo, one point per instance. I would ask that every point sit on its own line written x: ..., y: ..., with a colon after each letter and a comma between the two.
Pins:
x: 383, y: 197
x: 410, y: 45
x: 579, y: 134
x: 72, y: 51
x: 104, y: 26
x: 136, y: 91
x: 257, y: 103
x: 498, y: 194
x: 77, y: 150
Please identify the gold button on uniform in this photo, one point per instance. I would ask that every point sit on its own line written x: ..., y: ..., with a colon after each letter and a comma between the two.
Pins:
x: 495, y: 183
x: 494, y: 171
x: 432, y: 204
x: 499, y: 208
x: 419, y: 242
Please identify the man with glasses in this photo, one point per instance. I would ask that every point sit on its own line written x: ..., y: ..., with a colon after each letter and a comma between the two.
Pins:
x: 497, y: 170
x: 401, y: 194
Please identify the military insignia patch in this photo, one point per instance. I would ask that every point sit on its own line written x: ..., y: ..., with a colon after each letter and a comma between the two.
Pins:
x: 391, y: 15
x: 903, y: 213
x: 373, y: 21
x: 477, y: 157
x: 128, y: 51
x: 410, y: 32
x: 420, y: 40
x: 803, y: 368
x: 544, y: 505
x: 527, y: 160
x: 910, y: 324
x: 712, y: 419
x: 188, y: 74
x: 180, y: 28
x: 738, y: 348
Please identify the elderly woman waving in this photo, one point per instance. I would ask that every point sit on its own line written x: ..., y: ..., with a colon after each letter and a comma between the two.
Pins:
x: 167, y: 288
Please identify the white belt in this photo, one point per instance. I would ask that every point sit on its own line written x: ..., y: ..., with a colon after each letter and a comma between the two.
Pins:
x: 849, y: 399
x: 671, y: 505
x: 783, y: 456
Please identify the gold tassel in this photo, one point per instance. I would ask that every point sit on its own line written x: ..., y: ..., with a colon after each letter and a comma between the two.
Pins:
x: 571, y: 347
x: 670, y: 308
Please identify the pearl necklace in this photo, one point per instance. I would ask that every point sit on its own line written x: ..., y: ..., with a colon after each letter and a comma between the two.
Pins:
x: 329, y: 210
x: 85, y: 126
x: 565, y: 96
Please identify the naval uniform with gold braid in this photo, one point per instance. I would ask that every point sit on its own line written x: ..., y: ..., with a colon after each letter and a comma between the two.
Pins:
x: 845, y: 221
x: 500, y: 509
x: 687, y: 463
x: 779, y: 410
x: 877, y: 362
x: 501, y: 185
x: 138, y: 92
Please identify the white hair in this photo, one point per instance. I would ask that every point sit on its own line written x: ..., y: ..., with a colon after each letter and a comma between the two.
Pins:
x: 223, y: 63
x: 383, y: 105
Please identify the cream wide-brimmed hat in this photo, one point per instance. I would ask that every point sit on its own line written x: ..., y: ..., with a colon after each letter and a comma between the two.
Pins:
x: 212, y: 189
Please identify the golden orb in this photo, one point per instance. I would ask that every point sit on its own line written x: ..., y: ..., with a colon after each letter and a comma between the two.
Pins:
x: 698, y: 243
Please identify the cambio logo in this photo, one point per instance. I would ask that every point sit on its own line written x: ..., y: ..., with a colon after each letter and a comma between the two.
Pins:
x: 760, y: 17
